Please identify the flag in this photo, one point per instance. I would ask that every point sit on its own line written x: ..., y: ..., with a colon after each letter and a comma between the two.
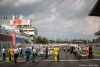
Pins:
x: 14, y: 38
x: 5, y: 18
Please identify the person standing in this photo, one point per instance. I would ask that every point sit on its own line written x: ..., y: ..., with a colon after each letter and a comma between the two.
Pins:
x: 20, y: 52
x: 33, y: 54
x: 36, y: 54
x: 11, y: 53
x: 68, y: 48
x: 78, y: 53
x: 28, y: 53
x: 3, y: 54
x: 43, y: 50
x: 86, y: 51
x: 64, y: 48
x: 46, y: 50
x: 90, y: 52
x: 16, y: 53
x: 56, y: 53
x: 75, y: 52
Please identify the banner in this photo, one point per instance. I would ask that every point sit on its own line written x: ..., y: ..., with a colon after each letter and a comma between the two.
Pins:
x: 17, y: 22
x: 14, y: 38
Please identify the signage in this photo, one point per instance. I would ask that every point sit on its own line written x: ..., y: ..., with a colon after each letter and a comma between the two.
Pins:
x: 17, y: 22
x: 14, y: 38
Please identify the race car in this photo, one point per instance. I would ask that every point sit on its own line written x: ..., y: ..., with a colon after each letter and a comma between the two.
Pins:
x: 82, y: 55
x: 42, y: 54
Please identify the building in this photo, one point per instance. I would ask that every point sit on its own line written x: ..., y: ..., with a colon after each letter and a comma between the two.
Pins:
x: 96, y: 12
x: 23, y: 28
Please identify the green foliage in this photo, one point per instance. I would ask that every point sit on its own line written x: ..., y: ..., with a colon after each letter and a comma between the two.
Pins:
x: 41, y: 40
x: 7, y: 59
x: 81, y: 40
x: 51, y: 41
x: 38, y: 40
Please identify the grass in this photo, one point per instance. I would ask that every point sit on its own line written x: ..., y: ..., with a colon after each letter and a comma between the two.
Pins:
x: 0, y: 59
x: 96, y: 52
x: 7, y: 59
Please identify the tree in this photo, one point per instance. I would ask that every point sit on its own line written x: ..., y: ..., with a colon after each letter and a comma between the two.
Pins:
x: 51, y: 41
x: 42, y: 40
x: 38, y: 40
x: 84, y: 41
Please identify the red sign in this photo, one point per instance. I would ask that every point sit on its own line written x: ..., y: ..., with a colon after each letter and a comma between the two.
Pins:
x: 14, y: 38
x: 17, y: 22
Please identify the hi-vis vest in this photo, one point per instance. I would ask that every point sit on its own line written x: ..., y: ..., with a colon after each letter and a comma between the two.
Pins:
x: 56, y: 50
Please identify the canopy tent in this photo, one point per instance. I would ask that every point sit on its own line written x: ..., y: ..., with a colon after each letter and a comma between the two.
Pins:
x: 19, y: 40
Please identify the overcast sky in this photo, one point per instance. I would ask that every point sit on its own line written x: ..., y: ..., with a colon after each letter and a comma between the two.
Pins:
x: 68, y: 17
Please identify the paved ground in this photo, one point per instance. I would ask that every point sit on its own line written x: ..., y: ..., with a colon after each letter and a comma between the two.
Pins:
x: 66, y: 60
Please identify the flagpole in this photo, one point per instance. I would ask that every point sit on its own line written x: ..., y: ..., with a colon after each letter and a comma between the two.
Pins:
x: 87, y: 40
x: 55, y: 36
x: 6, y: 21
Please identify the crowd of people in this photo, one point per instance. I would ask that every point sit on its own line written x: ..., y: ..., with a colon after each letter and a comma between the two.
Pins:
x: 15, y: 52
x: 30, y: 53
x: 87, y: 50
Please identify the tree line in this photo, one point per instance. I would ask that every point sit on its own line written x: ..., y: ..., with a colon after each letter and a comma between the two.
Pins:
x: 43, y: 40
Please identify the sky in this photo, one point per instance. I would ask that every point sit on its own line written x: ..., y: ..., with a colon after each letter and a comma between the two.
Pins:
x: 67, y: 19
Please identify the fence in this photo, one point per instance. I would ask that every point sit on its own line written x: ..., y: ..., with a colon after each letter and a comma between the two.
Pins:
x: 7, y: 45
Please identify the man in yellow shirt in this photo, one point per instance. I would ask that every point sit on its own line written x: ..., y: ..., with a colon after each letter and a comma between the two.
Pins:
x: 56, y: 53
x: 11, y: 53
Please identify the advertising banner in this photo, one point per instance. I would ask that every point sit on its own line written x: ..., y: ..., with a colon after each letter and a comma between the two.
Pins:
x: 17, y: 22
x: 14, y: 38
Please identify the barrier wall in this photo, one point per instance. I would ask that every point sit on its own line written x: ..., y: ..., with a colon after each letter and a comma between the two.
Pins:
x: 7, y: 45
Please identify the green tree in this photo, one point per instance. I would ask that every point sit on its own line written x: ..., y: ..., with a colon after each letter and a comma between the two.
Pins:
x: 84, y: 41
x: 51, y: 41
x: 41, y: 40
x: 44, y: 40
x: 38, y: 40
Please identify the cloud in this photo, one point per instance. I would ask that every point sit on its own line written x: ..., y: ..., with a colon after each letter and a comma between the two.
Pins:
x: 31, y: 16
x: 68, y: 17
x: 53, y: 8
x: 45, y: 21
x: 93, y: 25
x: 6, y: 2
x: 18, y: 3
x: 87, y: 26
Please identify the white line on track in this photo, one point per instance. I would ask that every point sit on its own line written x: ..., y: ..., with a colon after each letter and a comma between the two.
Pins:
x: 61, y: 60
x: 71, y: 60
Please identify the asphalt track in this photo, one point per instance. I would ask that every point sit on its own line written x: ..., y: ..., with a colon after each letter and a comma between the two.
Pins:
x: 66, y: 60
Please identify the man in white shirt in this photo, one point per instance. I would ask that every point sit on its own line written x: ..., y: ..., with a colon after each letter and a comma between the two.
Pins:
x: 33, y: 54
x: 3, y: 54
x: 16, y: 53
